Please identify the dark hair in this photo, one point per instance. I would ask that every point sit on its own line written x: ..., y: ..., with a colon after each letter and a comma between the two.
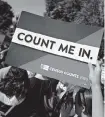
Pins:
x: 15, y: 83
x: 88, y: 102
x: 66, y: 102
x: 84, y: 99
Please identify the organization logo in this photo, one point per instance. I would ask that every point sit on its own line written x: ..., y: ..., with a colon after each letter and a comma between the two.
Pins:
x: 45, y: 67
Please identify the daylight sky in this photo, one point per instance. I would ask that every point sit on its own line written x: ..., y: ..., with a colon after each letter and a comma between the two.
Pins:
x: 33, y: 6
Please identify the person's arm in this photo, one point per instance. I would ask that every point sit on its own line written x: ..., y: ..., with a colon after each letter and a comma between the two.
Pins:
x: 97, y: 99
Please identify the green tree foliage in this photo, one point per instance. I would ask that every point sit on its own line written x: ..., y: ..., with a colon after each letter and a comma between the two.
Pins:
x: 92, y: 13
x: 89, y: 12
x: 65, y: 10
x: 12, y: 28
x: 6, y: 16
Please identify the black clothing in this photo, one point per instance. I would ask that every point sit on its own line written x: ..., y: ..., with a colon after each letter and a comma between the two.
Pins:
x: 33, y: 105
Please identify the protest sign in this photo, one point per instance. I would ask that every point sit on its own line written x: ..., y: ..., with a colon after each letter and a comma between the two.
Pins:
x: 55, y: 49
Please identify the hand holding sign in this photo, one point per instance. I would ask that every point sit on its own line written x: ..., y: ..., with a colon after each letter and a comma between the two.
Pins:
x: 95, y: 73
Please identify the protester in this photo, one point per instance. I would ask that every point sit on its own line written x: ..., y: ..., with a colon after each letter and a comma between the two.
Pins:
x: 14, y: 85
x: 43, y: 96
x: 33, y: 94
x: 81, y: 102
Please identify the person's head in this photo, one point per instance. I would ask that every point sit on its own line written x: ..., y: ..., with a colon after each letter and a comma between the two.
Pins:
x: 84, y: 103
x: 16, y: 83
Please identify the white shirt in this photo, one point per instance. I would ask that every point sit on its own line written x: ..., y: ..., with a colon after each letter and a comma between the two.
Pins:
x: 3, y: 98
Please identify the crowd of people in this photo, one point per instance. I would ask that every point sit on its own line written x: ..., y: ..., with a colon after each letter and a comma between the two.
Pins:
x: 25, y: 94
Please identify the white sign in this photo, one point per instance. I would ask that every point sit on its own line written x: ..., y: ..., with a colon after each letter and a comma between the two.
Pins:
x: 56, y: 46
